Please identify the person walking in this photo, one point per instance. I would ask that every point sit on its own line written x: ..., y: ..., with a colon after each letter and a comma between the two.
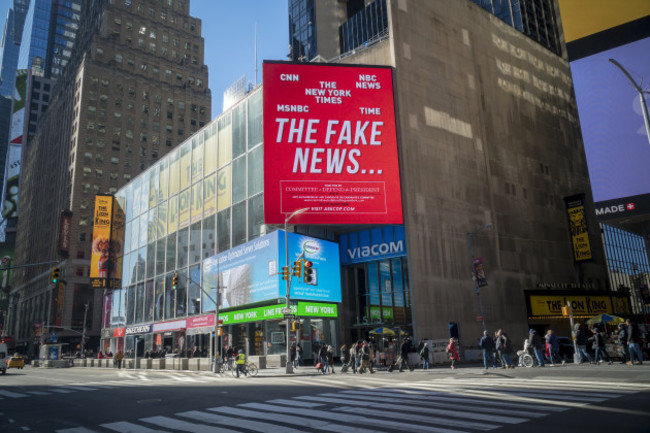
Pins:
x: 452, y: 351
x: 119, y: 356
x: 404, y: 354
x: 330, y: 358
x: 598, y: 341
x: 537, y: 345
x: 486, y: 343
x: 322, y: 357
x: 580, y: 337
x: 366, y: 359
x: 634, y: 342
x: 241, y: 362
x: 355, y: 358
x: 345, y: 358
x: 622, y: 338
x: 424, y: 355
x: 299, y: 361
x: 293, y: 352
x: 553, y: 347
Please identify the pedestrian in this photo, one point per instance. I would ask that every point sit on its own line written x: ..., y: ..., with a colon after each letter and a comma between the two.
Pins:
x: 293, y: 351
x: 366, y: 359
x: 537, y: 346
x: 330, y: 358
x: 507, y: 350
x: 598, y: 341
x: 634, y: 342
x: 345, y: 358
x: 622, y: 338
x: 299, y: 361
x: 403, y: 356
x: 452, y: 352
x: 424, y: 355
x: 119, y: 356
x: 580, y: 337
x: 241, y: 362
x: 322, y: 358
x: 553, y: 347
x: 486, y: 343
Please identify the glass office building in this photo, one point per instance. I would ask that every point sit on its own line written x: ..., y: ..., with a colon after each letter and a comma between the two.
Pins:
x: 203, y: 198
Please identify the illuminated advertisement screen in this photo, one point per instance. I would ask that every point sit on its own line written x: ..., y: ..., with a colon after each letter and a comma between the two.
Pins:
x: 330, y: 144
x: 249, y: 273
x: 614, y: 131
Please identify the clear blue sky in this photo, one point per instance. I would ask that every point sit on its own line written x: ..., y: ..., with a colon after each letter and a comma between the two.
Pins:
x: 228, y: 27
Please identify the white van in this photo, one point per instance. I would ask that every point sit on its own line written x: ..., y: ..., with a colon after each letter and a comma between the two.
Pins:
x: 4, y: 358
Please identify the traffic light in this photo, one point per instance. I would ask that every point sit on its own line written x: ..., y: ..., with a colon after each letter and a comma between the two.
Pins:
x: 55, y: 275
x: 295, y: 326
x: 309, y: 273
x: 286, y: 273
x: 175, y: 282
x: 297, y: 268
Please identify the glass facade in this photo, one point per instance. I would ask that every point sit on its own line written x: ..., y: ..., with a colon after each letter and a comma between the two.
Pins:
x: 302, y: 30
x: 368, y: 24
x: 534, y: 18
x: 202, y: 198
x: 627, y: 263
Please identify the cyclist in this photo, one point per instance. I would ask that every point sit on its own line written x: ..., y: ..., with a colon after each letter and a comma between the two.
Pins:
x: 241, y: 362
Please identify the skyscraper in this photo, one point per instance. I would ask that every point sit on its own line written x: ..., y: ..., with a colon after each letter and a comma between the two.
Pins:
x: 135, y: 86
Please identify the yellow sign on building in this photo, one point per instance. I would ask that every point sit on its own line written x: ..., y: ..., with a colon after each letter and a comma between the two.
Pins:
x: 107, y: 244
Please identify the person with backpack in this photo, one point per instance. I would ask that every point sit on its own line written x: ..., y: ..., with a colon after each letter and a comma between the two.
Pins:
x: 366, y: 359
x: 486, y: 343
x: 424, y: 354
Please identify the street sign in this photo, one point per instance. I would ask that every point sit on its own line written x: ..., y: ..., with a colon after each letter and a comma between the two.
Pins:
x: 220, y: 321
x: 286, y: 310
x: 289, y: 316
x: 479, y: 318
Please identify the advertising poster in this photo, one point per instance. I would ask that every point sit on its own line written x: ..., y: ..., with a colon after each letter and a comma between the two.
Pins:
x: 578, y: 226
x: 248, y: 273
x: 117, y: 236
x: 330, y: 144
x: 103, y: 262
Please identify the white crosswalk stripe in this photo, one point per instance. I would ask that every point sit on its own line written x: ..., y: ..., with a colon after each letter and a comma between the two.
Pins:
x: 436, y: 405
x: 11, y: 394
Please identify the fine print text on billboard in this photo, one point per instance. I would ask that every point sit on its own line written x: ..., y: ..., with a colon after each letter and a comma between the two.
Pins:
x: 330, y: 145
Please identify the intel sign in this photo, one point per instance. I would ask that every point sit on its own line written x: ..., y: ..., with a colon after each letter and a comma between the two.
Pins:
x: 370, y: 245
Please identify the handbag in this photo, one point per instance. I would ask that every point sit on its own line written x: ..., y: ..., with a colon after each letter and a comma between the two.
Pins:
x: 319, y: 366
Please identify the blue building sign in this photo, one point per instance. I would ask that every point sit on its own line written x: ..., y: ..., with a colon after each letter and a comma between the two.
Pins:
x: 249, y: 273
x: 370, y: 245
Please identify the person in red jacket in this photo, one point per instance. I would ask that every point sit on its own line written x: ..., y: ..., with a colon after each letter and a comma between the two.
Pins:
x: 452, y: 351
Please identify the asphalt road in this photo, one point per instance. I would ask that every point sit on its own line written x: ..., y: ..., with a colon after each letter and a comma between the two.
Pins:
x: 570, y: 398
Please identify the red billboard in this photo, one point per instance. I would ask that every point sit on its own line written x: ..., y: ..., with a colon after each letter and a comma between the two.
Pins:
x: 330, y: 144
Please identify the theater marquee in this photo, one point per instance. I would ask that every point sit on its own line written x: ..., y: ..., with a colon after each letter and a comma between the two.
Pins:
x: 330, y: 144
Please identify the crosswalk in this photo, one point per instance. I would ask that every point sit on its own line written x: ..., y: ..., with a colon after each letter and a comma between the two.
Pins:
x: 441, y: 405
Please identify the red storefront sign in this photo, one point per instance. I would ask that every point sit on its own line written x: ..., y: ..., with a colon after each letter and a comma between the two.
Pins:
x: 201, y: 321
x: 118, y: 332
x: 330, y: 145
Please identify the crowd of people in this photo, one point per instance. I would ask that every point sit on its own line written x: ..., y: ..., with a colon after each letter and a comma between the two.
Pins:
x: 629, y: 340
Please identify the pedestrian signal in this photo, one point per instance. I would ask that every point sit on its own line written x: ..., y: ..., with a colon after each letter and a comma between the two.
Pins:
x: 175, y: 282
x: 286, y: 273
x: 297, y: 268
x: 55, y: 275
x: 309, y: 273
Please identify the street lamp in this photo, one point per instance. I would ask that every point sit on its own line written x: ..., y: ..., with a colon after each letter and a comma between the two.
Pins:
x: 477, y: 287
x: 288, y: 308
x: 640, y: 91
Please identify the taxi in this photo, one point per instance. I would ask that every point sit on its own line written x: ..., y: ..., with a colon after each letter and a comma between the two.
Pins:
x: 16, y: 362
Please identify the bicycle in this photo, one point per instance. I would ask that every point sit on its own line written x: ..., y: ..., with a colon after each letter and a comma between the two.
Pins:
x: 248, y: 368
x: 223, y: 366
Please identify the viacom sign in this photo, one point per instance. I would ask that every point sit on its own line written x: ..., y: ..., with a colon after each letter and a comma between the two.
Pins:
x: 371, y: 245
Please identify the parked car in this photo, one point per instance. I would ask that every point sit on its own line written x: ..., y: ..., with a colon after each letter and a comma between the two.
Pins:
x: 16, y: 362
